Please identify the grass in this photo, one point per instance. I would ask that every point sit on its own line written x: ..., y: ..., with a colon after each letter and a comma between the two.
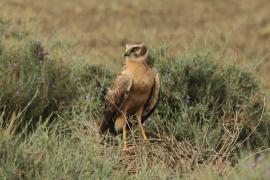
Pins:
x: 211, y: 121
x: 238, y: 31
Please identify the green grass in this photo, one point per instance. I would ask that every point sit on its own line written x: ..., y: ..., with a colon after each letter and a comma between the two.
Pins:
x: 210, y: 121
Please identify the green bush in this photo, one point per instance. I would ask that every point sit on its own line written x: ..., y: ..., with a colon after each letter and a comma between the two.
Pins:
x: 31, y: 80
x: 199, y: 94
x: 38, y: 83
x: 92, y: 82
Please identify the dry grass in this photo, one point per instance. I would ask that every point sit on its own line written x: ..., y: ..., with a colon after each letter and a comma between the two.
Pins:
x: 239, y: 30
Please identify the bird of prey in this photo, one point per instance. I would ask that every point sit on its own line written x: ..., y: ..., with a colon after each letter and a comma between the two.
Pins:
x: 133, y: 93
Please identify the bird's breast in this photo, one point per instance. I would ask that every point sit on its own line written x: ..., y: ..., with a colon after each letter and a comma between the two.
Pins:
x: 143, y: 79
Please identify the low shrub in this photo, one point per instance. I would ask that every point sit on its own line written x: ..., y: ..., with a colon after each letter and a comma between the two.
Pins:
x: 31, y: 81
x: 201, y: 98
x: 38, y: 83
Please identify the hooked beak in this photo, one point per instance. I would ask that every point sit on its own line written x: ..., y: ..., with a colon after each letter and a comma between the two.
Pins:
x: 127, y: 54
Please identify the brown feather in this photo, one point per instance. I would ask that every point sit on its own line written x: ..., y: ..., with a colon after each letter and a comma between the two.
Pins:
x: 134, y: 92
x: 153, y: 100
x: 114, y: 101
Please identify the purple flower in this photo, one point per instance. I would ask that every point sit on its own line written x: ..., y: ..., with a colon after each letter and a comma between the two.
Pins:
x: 54, y: 86
x: 188, y: 98
x: 258, y: 158
x: 14, y: 65
x: 17, y: 93
x: 42, y: 54
x: 253, y: 165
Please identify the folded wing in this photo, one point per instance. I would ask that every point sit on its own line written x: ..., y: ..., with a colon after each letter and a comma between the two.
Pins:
x: 114, y: 101
x: 153, y: 99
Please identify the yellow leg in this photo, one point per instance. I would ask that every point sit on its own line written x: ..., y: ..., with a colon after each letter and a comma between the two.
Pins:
x: 120, y: 123
x: 124, y: 139
x: 139, y: 119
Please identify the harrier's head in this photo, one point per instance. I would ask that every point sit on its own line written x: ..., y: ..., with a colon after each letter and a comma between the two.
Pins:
x: 136, y: 52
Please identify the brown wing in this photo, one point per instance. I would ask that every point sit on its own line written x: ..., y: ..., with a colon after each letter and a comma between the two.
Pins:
x: 153, y: 99
x: 114, y: 100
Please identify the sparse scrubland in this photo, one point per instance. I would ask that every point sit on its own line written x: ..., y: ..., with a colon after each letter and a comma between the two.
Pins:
x: 212, y: 120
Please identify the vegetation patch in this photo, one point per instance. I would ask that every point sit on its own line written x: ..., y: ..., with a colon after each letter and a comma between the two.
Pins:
x: 201, y: 96
x: 207, y: 113
x: 37, y: 83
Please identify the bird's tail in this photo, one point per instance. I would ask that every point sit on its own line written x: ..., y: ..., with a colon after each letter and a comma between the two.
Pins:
x: 107, y: 124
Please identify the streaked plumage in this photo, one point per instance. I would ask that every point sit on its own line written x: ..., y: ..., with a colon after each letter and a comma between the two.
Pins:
x: 134, y: 92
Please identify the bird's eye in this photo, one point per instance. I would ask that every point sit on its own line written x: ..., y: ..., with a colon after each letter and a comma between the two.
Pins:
x: 143, y: 50
x: 136, y: 48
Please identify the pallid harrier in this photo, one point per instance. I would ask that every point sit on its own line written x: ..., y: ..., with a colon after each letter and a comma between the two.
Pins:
x: 134, y: 92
